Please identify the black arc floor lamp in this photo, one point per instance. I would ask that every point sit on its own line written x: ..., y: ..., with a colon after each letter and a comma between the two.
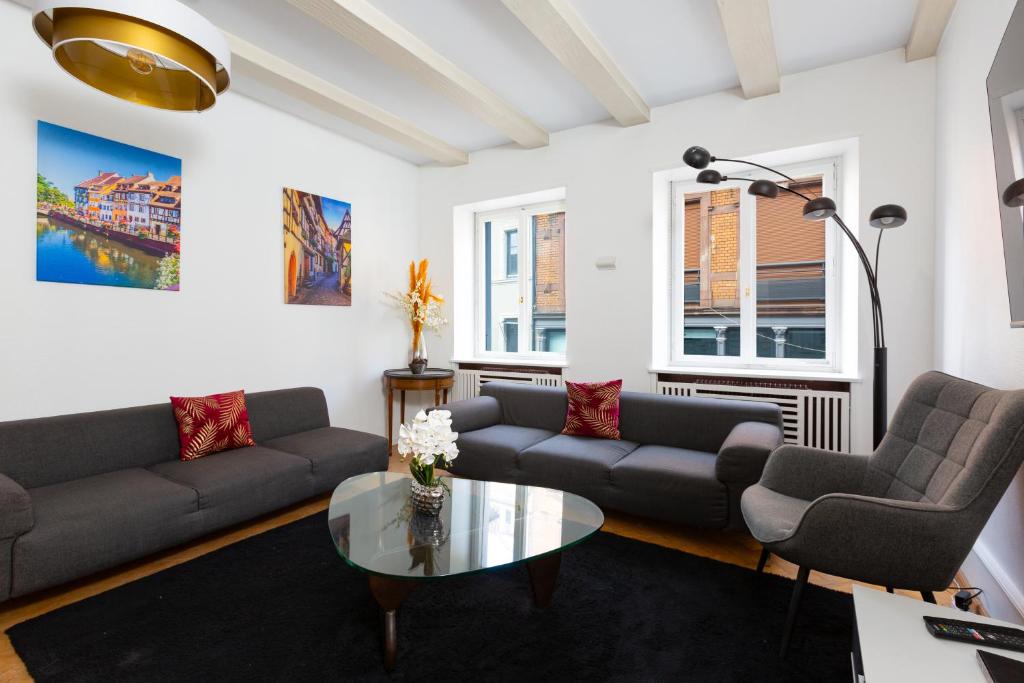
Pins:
x: 821, y: 209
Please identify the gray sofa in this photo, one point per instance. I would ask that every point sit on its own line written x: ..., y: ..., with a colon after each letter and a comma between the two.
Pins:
x: 680, y: 459
x: 85, y: 492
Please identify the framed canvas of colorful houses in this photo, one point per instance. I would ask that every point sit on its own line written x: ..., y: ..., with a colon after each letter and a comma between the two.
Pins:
x: 107, y: 213
x: 317, y: 249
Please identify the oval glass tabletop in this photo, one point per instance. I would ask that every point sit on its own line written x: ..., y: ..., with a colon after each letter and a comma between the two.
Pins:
x: 481, y: 526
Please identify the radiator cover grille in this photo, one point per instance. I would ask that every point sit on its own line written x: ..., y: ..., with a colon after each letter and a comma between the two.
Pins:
x: 810, y: 417
x: 468, y: 382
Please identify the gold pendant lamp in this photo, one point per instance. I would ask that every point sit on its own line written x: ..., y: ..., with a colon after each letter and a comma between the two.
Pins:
x: 159, y: 53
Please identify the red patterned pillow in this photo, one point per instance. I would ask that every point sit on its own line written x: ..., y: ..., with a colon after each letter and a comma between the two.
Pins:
x: 210, y: 424
x: 593, y: 409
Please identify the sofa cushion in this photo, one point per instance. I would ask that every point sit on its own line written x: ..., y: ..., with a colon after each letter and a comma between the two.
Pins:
x: 286, y: 411
x: 211, y: 424
x: 529, y: 405
x: 49, y: 450
x: 701, y: 424
x: 89, y: 524
x: 335, y: 454
x: 669, y: 483
x: 771, y: 516
x: 580, y: 464
x: 236, y: 485
x: 491, y: 453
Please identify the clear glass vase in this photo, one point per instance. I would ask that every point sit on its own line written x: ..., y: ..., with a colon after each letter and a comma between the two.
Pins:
x: 418, y: 361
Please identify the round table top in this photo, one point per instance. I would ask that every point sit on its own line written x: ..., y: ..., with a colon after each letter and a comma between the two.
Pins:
x: 375, y: 529
x: 429, y: 373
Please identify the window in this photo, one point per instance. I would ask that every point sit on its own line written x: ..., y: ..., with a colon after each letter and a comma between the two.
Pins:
x: 753, y: 281
x: 511, y: 253
x: 510, y: 334
x: 521, y: 281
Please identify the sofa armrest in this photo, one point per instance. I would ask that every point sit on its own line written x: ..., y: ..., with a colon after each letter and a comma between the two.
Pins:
x: 474, y: 413
x: 15, y: 508
x: 908, y: 544
x: 742, y: 456
x: 809, y: 473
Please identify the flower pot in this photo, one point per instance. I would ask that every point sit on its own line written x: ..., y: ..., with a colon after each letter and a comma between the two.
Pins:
x: 427, y: 500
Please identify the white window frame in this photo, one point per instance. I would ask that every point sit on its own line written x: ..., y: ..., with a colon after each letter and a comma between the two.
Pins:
x: 523, y: 216
x: 829, y: 169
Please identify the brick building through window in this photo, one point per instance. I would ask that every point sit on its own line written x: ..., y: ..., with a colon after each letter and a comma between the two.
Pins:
x: 523, y: 280
x: 790, y: 285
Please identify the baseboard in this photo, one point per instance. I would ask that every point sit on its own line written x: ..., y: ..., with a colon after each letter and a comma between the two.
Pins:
x: 1002, y: 598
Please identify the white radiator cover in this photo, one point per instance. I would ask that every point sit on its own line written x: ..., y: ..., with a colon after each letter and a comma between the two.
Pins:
x: 810, y: 417
x: 468, y: 382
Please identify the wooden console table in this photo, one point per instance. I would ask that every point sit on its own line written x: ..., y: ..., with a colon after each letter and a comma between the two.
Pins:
x: 402, y: 380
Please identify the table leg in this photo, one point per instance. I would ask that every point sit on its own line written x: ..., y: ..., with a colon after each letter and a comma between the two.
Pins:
x: 402, y: 401
x: 390, y: 593
x: 543, y: 576
x: 391, y: 410
x: 446, y: 396
x: 437, y: 396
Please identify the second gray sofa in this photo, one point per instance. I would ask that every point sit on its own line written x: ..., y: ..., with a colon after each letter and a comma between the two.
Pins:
x: 680, y: 459
x: 81, y: 493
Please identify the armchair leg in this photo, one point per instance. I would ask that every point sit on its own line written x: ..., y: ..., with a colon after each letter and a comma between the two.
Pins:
x: 928, y: 596
x: 888, y: 589
x: 794, y: 607
x: 762, y: 560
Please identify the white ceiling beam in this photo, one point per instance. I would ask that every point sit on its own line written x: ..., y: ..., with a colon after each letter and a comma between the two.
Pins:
x: 374, y: 31
x: 559, y: 28
x: 748, y: 30
x: 252, y: 61
x: 930, y: 21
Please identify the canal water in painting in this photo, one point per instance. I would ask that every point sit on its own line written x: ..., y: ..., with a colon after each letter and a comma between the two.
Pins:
x: 70, y: 254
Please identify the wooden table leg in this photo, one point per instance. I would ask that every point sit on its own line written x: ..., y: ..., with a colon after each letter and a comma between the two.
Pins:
x: 390, y: 593
x: 437, y: 396
x: 446, y: 396
x: 543, y: 576
x: 391, y: 410
x: 402, y: 392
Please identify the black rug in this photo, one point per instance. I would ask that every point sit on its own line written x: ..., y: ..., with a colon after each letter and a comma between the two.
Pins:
x: 282, y: 606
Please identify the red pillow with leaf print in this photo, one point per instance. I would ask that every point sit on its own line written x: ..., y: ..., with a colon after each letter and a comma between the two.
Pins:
x: 210, y: 424
x: 593, y: 409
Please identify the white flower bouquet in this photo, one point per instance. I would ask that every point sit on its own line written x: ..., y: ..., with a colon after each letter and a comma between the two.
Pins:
x: 428, y: 441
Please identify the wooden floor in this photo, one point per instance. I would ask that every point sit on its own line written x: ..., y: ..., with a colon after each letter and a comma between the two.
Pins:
x: 734, y: 548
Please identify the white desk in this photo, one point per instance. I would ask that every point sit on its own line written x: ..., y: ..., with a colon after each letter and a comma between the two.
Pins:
x: 896, y: 647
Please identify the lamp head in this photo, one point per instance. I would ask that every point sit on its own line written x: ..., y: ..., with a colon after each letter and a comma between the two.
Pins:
x: 764, y: 188
x: 710, y: 176
x: 888, y: 216
x: 697, y: 157
x: 819, y: 209
x: 1013, y: 195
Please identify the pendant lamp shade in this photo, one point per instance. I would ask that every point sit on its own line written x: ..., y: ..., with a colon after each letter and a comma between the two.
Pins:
x: 159, y: 53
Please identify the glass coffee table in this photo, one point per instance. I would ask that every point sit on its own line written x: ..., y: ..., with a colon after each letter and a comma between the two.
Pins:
x: 483, y: 525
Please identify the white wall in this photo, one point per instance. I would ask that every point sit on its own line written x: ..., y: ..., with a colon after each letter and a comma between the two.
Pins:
x: 974, y: 338
x: 607, y: 171
x: 71, y: 347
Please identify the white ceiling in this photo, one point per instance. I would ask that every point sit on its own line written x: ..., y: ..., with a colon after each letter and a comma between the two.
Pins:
x: 669, y: 49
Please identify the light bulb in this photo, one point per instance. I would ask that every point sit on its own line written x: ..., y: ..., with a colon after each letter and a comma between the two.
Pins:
x: 887, y: 220
x: 141, y: 62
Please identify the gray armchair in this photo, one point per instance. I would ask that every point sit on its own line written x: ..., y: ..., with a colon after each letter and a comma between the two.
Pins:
x: 905, y: 516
